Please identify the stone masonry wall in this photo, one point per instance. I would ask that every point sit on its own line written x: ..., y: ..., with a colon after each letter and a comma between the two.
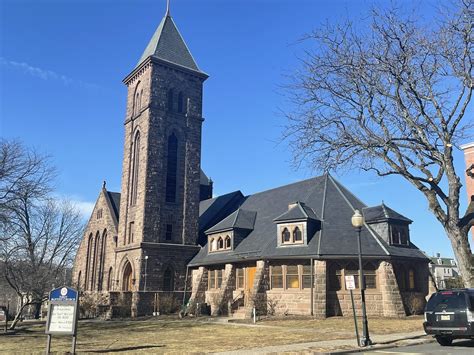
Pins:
x: 391, y: 297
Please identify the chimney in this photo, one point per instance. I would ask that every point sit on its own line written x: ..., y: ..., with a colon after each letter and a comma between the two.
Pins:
x: 469, y: 172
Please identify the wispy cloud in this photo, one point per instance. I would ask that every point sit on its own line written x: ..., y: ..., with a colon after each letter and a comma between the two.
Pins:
x: 84, y: 207
x: 45, y: 74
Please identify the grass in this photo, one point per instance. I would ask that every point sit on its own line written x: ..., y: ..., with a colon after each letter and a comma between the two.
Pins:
x: 172, y: 335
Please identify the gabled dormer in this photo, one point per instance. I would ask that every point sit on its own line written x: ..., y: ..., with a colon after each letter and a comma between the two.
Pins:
x: 228, y: 233
x: 297, y: 225
x: 390, y: 225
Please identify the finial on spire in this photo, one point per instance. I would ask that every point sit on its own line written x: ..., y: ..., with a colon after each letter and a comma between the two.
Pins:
x: 168, y: 8
x: 104, y: 184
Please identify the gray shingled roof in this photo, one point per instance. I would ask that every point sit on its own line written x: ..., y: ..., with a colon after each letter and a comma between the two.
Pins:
x: 240, y: 219
x: 328, y: 199
x: 168, y: 44
x: 297, y: 213
x: 114, y: 198
x: 383, y: 213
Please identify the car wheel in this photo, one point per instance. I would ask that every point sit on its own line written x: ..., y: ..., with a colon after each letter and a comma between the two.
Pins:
x: 444, y: 341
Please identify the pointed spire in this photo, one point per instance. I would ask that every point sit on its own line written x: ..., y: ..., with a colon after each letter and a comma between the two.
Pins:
x: 168, y: 14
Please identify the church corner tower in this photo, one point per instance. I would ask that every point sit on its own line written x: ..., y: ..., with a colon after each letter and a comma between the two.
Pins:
x: 159, y: 208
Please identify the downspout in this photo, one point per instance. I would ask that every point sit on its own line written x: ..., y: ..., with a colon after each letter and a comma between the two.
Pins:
x: 312, y: 286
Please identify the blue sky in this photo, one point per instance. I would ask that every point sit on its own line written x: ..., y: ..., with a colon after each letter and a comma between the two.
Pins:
x: 62, y: 63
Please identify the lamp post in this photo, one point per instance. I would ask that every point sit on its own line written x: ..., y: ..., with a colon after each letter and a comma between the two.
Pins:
x: 357, y: 222
x: 146, y: 264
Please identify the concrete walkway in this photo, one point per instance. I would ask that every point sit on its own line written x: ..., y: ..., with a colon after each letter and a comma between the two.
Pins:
x: 339, y: 346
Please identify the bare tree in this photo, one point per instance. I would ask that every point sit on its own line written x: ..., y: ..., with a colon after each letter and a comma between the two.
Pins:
x: 392, y: 99
x: 40, y: 234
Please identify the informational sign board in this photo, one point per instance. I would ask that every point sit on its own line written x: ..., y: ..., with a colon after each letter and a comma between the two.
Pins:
x: 350, y: 282
x: 62, y: 311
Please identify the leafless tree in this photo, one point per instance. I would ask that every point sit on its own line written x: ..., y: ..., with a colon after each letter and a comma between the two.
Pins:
x: 40, y: 233
x: 392, y: 99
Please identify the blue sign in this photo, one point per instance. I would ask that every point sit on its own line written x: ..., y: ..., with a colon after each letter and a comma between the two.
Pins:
x: 63, y: 294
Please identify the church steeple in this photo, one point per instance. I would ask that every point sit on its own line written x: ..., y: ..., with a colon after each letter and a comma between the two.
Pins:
x: 167, y: 44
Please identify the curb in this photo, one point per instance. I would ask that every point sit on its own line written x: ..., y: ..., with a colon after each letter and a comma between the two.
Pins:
x: 395, y: 344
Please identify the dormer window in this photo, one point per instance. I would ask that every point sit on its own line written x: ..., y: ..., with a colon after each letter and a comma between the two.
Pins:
x: 292, y: 234
x: 220, y: 242
x: 399, y: 235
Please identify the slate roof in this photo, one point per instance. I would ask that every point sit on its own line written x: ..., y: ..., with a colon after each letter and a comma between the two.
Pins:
x: 442, y: 261
x: 383, y: 213
x: 240, y: 219
x: 168, y: 44
x: 114, y: 198
x: 329, y: 200
x: 297, y: 213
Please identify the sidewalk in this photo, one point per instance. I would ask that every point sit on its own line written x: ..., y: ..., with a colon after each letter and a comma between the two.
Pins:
x: 339, y: 346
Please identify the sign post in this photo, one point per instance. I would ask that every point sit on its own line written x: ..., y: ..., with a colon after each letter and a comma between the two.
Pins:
x: 350, y: 285
x: 62, y: 315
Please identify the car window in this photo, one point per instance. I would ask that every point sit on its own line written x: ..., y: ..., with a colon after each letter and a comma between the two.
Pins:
x: 446, y: 300
x: 471, y: 301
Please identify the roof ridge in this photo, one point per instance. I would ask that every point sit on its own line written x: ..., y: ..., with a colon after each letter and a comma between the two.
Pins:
x: 236, y: 216
x: 284, y: 186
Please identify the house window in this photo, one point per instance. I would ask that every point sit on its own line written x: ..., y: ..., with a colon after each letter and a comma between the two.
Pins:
x: 352, y: 269
x: 219, y: 278
x: 370, y: 276
x: 399, y: 235
x: 306, y: 277
x: 220, y: 243
x: 212, y: 243
x: 411, y: 279
x: 172, y: 168
x: 99, y: 213
x: 215, y: 279
x: 285, y: 236
x: 297, y: 236
x: 169, y: 232
x: 168, y: 279
x: 292, y: 277
x: 135, y: 168
x: 239, y: 278
x: 227, y: 242
x: 276, y: 277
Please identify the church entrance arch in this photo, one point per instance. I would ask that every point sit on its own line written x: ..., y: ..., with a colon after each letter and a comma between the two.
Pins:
x: 127, y: 280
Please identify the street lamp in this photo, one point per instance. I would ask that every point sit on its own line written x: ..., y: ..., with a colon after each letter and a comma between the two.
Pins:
x: 357, y: 222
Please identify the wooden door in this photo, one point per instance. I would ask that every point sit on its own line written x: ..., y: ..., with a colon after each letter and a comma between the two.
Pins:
x: 250, y: 278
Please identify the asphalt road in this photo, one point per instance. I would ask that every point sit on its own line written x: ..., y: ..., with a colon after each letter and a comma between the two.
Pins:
x: 458, y: 347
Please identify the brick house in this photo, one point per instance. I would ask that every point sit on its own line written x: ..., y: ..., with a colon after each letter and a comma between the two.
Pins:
x: 284, y: 250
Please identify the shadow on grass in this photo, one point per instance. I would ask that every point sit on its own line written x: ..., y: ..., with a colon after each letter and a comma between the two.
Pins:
x: 127, y: 348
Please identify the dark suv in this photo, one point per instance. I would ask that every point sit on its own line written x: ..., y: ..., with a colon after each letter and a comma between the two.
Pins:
x: 449, y: 314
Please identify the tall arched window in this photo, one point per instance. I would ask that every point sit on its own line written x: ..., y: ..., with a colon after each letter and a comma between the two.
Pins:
x: 297, y: 236
x: 95, y: 261
x: 127, y: 279
x: 88, y: 262
x: 78, y: 285
x: 285, y: 235
x: 220, y: 243
x: 137, y: 99
x: 102, y: 259
x: 227, y: 242
x: 135, y: 168
x: 180, y: 102
x: 171, y: 168
x: 170, y: 99
x: 168, y: 279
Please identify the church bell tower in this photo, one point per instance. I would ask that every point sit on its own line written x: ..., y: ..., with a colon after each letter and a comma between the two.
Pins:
x: 159, y: 207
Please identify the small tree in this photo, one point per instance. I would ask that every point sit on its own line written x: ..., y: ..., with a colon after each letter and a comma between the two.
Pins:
x: 392, y: 100
x: 39, y: 233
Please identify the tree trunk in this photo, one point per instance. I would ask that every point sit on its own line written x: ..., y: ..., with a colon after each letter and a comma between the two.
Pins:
x: 18, y: 315
x: 461, y: 248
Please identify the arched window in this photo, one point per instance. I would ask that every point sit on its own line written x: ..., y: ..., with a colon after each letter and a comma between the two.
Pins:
x: 137, y: 100
x: 95, y: 261
x: 220, y: 243
x: 227, y: 242
x: 180, y: 102
x: 109, y: 279
x: 212, y: 246
x: 135, y: 168
x: 297, y: 236
x: 170, y: 100
x: 285, y: 235
x: 102, y: 259
x: 171, y: 169
x: 88, y: 262
x: 168, y: 279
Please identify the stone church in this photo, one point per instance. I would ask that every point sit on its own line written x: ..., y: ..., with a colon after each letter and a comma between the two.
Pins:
x: 283, y: 251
